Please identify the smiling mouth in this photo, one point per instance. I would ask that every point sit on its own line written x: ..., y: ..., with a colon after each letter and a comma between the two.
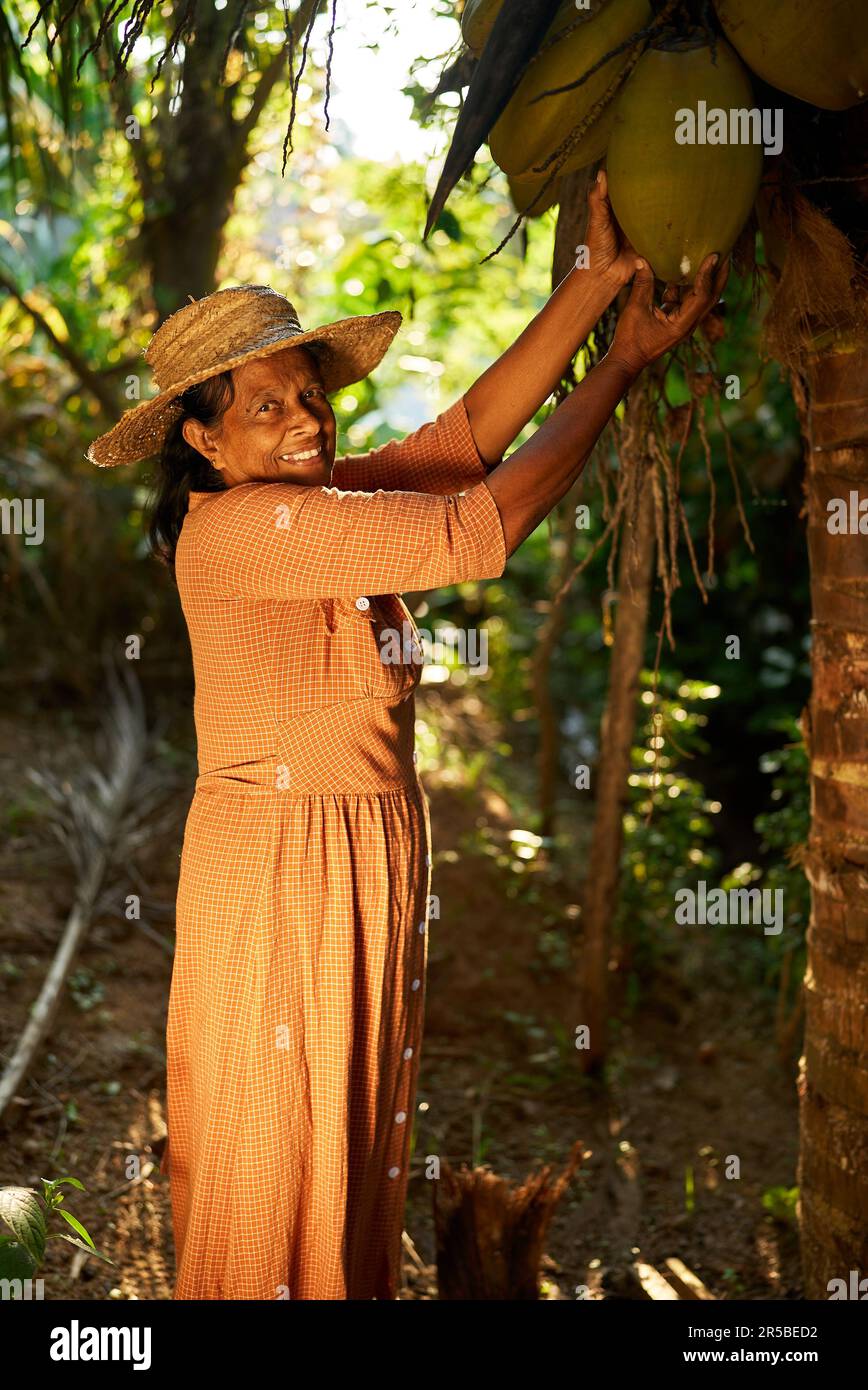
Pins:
x: 303, y: 456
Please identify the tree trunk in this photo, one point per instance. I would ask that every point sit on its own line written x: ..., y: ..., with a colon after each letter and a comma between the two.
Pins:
x: 833, y: 1086
x: 190, y: 159
x: 570, y: 231
x: 635, y: 577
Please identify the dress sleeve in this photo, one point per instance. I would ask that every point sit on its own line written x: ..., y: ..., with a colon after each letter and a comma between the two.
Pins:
x: 286, y: 541
x: 440, y: 457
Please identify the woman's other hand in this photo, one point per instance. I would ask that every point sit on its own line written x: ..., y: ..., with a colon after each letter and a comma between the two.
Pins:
x: 646, y: 330
x: 610, y: 254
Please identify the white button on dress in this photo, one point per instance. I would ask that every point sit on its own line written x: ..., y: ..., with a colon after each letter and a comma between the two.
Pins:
x: 415, y: 984
x: 408, y: 1053
x: 393, y: 1172
x: 400, y: 1117
x: 363, y: 603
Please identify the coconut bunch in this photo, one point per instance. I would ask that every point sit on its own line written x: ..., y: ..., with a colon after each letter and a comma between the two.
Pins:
x: 816, y: 51
x: 538, y: 138
x: 611, y: 81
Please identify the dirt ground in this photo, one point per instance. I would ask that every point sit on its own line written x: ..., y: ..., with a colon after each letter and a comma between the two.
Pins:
x: 693, y: 1076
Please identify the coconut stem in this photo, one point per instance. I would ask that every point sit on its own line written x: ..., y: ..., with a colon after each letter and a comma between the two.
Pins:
x: 581, y: 128
x: 638, y: 37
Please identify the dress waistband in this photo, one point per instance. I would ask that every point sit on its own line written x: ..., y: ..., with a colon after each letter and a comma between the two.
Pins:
x: 218, y: 782
x: 359, y: 749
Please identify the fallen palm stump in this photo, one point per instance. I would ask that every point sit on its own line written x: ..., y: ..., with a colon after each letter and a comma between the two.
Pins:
x: 490, y: 1232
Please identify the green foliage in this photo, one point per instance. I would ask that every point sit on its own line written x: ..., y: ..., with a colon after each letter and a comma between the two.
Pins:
x: 86, y: 991
x: 785, y: 829
x: 669, y: 839
x: 29, y: 1217
x: 781, y: 1204
x: 782, y: 833
x: 668, y: 828
x: 734, y: 1283
x: 689, y: 1190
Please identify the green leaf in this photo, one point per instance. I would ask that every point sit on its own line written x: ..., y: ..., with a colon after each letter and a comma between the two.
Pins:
x: 15, y: 1261
x: 20, y: 1209
x: 77, y: 1226
x: 74, y: 1182
x: 73, y: 1240
x: 447, y: 222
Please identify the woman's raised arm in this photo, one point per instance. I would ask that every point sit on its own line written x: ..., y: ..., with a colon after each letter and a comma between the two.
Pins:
x: 538, y: 474
x: 510, y: 392
x: 439, y: 457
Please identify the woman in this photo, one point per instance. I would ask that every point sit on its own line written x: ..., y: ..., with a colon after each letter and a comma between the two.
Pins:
x: 295, y: 1015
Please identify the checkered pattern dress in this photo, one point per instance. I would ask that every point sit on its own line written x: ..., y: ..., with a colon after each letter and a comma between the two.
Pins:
x: 296, y: 1005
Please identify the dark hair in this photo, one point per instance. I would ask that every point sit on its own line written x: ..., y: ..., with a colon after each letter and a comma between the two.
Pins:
x: 182, y: 469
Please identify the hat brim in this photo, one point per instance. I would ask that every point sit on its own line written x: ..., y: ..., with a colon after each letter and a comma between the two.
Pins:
x: 347, y: 351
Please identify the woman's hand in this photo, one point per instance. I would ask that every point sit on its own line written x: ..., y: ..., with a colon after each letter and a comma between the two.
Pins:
x: 646, y: 330
x: 610, y: 254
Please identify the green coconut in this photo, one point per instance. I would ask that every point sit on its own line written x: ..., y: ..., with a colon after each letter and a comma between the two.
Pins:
x: 524, y: 135
x: 523, y: 189
x: 678, y: 202
x: 816, y: 50
x: 477, y: 22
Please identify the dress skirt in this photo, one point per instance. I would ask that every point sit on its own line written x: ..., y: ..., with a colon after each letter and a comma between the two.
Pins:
x: 293, y: 1041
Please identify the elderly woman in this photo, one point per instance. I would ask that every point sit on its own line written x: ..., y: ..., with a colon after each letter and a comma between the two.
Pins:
x: 296, y: 1006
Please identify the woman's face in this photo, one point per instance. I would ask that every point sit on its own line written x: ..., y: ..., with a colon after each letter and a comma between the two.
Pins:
x: 279, y: 428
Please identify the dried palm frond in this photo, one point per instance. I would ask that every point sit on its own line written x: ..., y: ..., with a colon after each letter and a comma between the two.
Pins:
x: 101, y: 813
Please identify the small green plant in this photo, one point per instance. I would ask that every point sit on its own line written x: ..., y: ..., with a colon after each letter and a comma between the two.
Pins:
x: 10, y: 973
x: 689, y: 1191
x: 780, y: 1204
x: 28, y: 1216
x: 20, y: 815
x: 733, y: 1282
x: 85, y: 990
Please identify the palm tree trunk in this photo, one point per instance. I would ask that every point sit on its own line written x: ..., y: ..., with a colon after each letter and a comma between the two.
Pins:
x: 833, y: 1087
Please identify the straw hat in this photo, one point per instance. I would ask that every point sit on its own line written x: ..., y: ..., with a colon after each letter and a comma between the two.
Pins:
x: 210, y: 335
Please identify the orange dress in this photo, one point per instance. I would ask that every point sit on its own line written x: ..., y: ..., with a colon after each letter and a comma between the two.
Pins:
x: 296, y: 1004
